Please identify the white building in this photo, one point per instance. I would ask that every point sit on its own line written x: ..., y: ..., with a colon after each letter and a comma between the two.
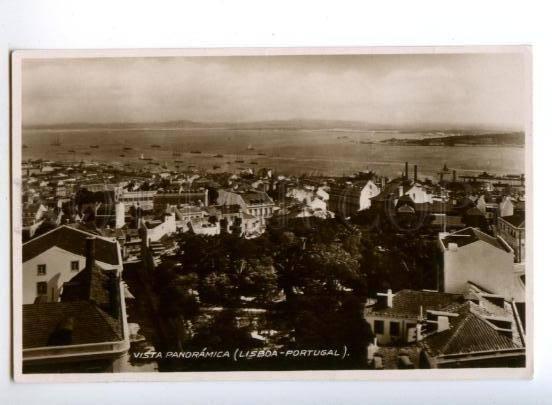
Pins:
x: 142, y: 199
x: 54, y: 257
x: 470, y: 255
x: 256, y: 203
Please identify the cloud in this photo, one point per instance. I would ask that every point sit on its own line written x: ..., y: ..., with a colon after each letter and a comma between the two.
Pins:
x: 385, y: 89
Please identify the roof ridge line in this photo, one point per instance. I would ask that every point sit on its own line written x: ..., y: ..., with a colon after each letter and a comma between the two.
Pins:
x: 456, y: 332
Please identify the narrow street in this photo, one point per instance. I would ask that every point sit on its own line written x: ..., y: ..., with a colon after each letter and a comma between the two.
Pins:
x: 141, y: 324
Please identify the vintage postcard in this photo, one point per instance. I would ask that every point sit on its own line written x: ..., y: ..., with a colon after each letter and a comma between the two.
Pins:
x: 339, y: 213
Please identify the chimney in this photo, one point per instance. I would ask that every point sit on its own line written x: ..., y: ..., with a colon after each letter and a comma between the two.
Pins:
x: 90, y: 252
x: 401, y: 190
x: 406, y: 170
x: 454, y: 176
x: 442, y: 323
x: 389, y: 297
x: 415, y: 173
x: 419, y: 332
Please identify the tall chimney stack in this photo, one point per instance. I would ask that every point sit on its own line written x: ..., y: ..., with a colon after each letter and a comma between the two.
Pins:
x: 454, y: 176
x: 90, y: 251
x: 406, y: 170
x: 415, y: 172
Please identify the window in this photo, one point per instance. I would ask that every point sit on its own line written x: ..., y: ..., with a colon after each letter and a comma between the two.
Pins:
x: 41, y: 288
x: 41, y: 269
x: 394, y: 328
x: 378, y: 327
x: 75, y: 265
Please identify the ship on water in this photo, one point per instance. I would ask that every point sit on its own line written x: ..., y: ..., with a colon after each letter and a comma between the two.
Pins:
x: 177, y: 152
x: 94, y: 146
x: 56, y: 141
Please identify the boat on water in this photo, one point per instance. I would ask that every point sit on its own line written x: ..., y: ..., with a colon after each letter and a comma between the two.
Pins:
x: 195, y: 151
x: 250, y: 147
x: 142, y: 157
x: 25, y: 146
x: 56, y: 142
x: 87, y: 153
x: 239, y: 161
x: 215, y: 167
x: 155, y: 146
x: 71, y: 151
x: 253, y: 163
x: 94, y: 146
x: 218, y: 156
x: 261, y: 154
x: 127, y: 148
x: 179, y: 161
x: 121, y: 155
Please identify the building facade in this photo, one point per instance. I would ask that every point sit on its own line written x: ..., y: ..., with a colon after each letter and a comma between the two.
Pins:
x: 53, y: 258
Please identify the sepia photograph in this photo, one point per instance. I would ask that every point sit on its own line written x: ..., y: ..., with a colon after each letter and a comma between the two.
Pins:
x: 180, y: 213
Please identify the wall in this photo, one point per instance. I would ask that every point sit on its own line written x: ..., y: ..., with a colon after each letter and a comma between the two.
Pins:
x: 58, y: 271
x: 482, y: 264
x: 385, y: 338
x: 369, y: 191
x: 167, y: 227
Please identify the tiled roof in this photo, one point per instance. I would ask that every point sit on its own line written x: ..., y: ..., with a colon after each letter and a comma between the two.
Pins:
x: 467, y: 236
x: 72, y: 240
x: 90, y: 323
x: 469, y: 332
x: 256, y: 197
x: 406, y: 303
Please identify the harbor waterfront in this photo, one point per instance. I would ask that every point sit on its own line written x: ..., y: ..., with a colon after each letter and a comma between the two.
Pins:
x: 295, y: 152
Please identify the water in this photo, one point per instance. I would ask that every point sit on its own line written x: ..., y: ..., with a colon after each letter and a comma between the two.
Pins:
x: 335, y: 152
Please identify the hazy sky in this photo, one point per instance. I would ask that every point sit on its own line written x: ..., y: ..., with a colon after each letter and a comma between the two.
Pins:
x: 487, y: 90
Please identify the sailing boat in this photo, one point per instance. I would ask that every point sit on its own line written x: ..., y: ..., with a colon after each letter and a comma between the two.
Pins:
x: 177, y: 152
x: 56, y: 142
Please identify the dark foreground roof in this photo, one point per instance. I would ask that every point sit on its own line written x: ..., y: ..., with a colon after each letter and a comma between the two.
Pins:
x: 89, y: 323
x: 72, y: 240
